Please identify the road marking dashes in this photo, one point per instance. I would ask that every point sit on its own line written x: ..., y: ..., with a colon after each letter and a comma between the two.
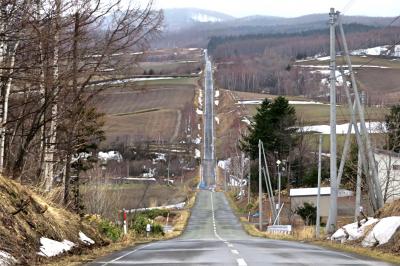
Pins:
x: 234, y: 251
x: 241, y: 262
x: 230, y: 245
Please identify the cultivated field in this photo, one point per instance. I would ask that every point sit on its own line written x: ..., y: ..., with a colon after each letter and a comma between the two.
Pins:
x: 378, y: 76
x: 153, y: 113
x: 312, y: 114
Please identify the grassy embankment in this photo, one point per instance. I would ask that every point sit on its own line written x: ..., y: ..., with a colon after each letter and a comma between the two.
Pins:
x: 307, y: 234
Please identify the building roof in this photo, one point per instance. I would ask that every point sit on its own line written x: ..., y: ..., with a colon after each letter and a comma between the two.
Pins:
x: 313, y: 191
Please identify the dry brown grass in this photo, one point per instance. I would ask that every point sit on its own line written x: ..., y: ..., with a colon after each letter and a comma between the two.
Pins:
x: 25, y: 217
x: 152, y: 113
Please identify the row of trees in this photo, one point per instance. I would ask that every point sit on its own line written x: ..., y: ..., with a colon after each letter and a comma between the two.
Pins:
x: 50, y: 53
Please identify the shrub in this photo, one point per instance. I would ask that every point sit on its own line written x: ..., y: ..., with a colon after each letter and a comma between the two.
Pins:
x: 308, y: 213
x: 151, y: 214
x: 109, y: 229
x: 139, y: 223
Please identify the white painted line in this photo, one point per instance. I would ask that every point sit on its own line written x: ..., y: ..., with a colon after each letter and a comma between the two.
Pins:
x: 127, y: 254
x: 234, y: 251
x: 241, y: 262
x: 230, y: 245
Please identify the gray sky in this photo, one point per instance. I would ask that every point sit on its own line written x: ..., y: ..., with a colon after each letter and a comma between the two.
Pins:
x: 287, y: 8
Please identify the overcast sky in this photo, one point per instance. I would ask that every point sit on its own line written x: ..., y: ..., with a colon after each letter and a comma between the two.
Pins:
x: 287, y: 8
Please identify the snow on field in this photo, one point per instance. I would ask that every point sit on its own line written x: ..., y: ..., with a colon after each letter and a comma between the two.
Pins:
x: 198, y: 126
x: 197, y: 140
x: 85, y: 239
x: 324, y: 58
x: 373, y: 127
x: 248, y: 102
x: 217, y: 120
x: 216, y: 102
x: 352, y: 232
x: 382, y: 232
x: 216, y: 93
x: 122, y: 81
x: 199, y: 112
x: 224, y: 164
x: 6, y: 259
x: 378, y: 50
x: 197, y: 154
x: 200, y: 99
x: 51, y: 248
x: 246, y: 120
x: 168, y: 207
x: 110, y: 155
x: 327, y: 67
x: 159, y: 157
x: 257, y: 102
x: 150, y: 174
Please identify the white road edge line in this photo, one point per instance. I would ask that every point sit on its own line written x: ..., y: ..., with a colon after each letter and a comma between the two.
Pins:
x: 126, y: 254
x: 241, y: 262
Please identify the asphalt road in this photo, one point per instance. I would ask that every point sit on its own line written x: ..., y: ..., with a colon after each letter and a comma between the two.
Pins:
x: 214, y: 236
x: 208, y: 162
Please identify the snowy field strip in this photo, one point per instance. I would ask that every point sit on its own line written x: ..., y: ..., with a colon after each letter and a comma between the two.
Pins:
x: 197, y: 154
x: 167, y: 207
x: 372, y: 127
x: 354, y: 66
x: 258, y: 102
x: 122, y: 81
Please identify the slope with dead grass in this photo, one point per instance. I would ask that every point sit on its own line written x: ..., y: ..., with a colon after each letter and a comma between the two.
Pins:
x: 25, y: 217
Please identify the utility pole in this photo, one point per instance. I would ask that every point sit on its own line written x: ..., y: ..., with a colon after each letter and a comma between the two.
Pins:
x: 373, y: 172
x: 318, y: 222
x: 259, y: 186
x: 331, y: 225
x: 359, y: 174
x: 249, y: 188
x: 279, y: 189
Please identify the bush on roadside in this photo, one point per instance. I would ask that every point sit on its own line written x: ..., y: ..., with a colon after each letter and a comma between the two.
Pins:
x: 111, y: 230
x: 139, y: 223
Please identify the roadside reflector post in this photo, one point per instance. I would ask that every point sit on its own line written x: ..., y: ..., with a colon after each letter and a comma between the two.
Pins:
x: 148, y: 229
x: 125, y: 222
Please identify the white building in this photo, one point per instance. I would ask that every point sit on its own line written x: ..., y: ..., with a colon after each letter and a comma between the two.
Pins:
x: 389, y: 174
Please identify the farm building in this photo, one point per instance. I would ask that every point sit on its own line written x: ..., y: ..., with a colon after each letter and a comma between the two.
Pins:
x: 298, y: 196
x: 389, y: 174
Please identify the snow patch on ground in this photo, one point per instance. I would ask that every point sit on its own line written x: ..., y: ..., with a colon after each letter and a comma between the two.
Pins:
x: 246, y: 120
x: 168, y: 207
x: 372, y: 127
x: 199, y: 112
x: 85, y: 239
x: 110, y: 155
x: 51, y: 248
x: 351, y: 231
x: 197, y: 140
x: 258, y: 102
x: 382, y: 232
x: 354, y: 66
x: 216, y: 102
x: 216, y: 93
x: 224, y: 164
x: 217, y: 120
x: 197, y: 154
x: 123, y: 81
x: 159, y: 157
x: 6, y: 259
